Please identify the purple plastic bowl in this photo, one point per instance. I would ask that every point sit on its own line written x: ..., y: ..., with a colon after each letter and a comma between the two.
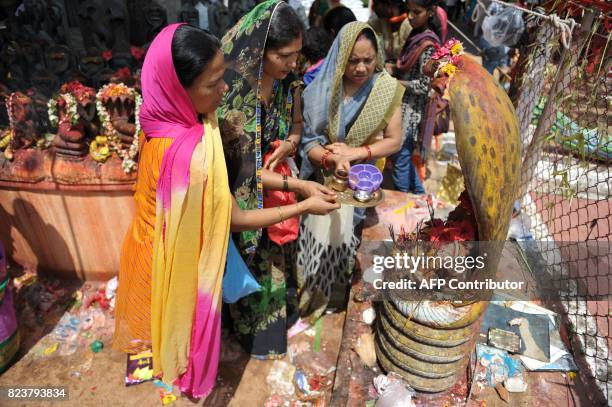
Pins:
x: 365, y: 177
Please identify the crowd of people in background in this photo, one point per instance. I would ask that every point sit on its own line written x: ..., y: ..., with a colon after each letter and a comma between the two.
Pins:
x: 240, y: 136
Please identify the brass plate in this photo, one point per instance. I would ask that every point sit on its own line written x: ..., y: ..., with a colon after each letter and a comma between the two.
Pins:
x: 346, y: 198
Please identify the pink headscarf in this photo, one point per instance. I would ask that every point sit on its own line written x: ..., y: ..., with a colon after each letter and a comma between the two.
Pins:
x: 167, y: 112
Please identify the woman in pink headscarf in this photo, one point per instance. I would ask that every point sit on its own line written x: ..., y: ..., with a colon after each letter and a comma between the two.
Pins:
x: 173, y: 256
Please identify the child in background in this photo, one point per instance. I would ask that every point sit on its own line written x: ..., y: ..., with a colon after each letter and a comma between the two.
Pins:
x: 419, y: 47
x: 316, y: 45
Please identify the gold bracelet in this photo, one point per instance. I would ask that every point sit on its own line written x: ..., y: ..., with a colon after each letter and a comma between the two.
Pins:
x: 280, y: 214
x: 293, y: 146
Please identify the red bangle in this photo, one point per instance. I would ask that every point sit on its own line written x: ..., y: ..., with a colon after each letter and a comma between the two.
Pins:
x: 324, y: 159
x: 369, y: 152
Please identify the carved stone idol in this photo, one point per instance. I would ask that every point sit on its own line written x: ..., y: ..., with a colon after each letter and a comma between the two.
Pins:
x: 104, y: 24
x: 22, y: 122
x: 75, y: 111
x: 156, y: 18
x: 59, y: 60
x: 120, y: 108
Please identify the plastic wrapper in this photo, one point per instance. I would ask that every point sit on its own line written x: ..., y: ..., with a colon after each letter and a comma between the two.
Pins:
x: 395, y: 394
x: 503, y: 25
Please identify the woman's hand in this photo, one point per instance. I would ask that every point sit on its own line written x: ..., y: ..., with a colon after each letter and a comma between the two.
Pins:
x: 350, y: 153
x: 283, y: 151
x: 341, y: 162
x: 309, y: 189
x: 320, y: 204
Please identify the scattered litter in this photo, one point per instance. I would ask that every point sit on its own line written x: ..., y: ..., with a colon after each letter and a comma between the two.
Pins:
x: 533, y: 331
x: 51, y: 349
x: 310, y: 332
x: 311, y: 386
x: 302, y: 382
x: 167, y: 397
x: 381, y: 382
x: 97, y: 297
x: 316, y: 346
x: 111, y: 288
x: 363, y: 295
x: 316, y: 383
x: 503, y: 393
x: 515, y: 384
x: 298, y: 327
x: 372, y: 393
x: 158, y: 383
x: 520, y: 228
x: 516, y: 321
x: 280, y: 378
x: 66, y: 334
x: 273, y: 401
x: 498, y: 364
x: 393, y: 391
x: 97, y: 346
x: 505, y: 340
x: 25, y: 280
x: 139, y: 368
x: 560, y: 358
x: 365, y: 349
x: 368, y: 316
x: 296, y: 349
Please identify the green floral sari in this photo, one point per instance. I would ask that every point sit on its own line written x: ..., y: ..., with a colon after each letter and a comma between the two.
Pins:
x: 247, y: 128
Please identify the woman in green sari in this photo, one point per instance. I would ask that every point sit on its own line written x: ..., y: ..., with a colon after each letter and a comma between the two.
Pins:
x: 351, y: 114
x: 262, y: 110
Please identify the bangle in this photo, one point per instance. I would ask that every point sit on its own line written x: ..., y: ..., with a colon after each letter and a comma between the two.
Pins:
x: 280, y: 214
x: 293, y: 146
x: 369, y: 152
x: 324, y: 159
x: 285, y: 183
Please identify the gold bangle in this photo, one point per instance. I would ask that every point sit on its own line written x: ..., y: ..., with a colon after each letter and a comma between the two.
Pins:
x: 280, y: 214
x: 293, y: 146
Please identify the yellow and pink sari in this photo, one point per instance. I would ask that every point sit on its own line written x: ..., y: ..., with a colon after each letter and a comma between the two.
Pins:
x: 192, y: 223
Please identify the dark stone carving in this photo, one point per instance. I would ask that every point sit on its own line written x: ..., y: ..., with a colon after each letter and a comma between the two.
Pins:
x: 70, y: 141
x: 156, y: 19
x: 23, y: 118
x: 104, y: 25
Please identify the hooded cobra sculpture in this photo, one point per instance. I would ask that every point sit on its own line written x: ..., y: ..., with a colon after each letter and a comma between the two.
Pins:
x: 428, y: 342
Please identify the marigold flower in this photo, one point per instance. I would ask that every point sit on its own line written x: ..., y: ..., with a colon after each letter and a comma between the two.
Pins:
x: 448, y: 69
x: 456, y: 49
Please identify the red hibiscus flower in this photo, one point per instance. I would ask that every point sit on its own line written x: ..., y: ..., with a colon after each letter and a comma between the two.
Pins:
x: 137, y: 52
x: 107, y: 55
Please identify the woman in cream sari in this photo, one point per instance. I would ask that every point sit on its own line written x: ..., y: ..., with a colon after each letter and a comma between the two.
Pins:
x: 351, y: 114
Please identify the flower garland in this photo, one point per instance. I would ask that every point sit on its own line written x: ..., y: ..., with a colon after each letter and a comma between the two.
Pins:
x: 127, y: 155
x: 71, y: 94
x: 447, y: 56
x: 7, y: 137
x: 72, y: 114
